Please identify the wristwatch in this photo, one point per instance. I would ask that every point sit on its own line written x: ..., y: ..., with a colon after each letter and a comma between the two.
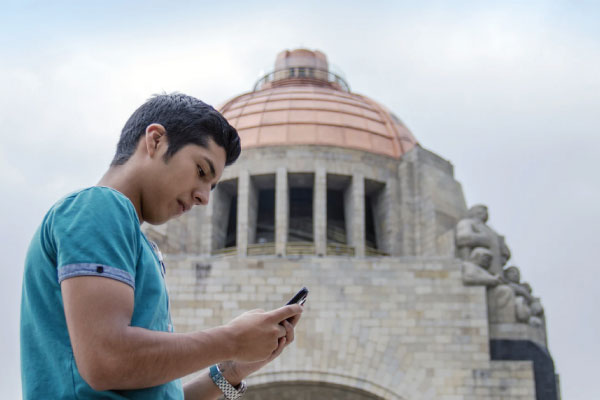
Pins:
x: 229, y: 391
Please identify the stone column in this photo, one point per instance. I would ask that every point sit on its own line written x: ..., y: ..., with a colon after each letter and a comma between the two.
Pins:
x: 252, y: 211
x: 281, y: 210
x: 408, y: 200
x: 392, y: 225
x: 243, y: 198
x: 320, y: 210
x: 355, y: 214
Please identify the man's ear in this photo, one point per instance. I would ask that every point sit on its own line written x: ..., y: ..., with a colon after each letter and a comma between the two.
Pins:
x: 155, y: 138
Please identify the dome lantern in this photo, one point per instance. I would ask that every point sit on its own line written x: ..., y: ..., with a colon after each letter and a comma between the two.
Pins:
x: 303, y: 103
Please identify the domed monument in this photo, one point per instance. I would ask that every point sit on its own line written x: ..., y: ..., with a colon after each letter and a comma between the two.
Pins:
x: 411, y: 296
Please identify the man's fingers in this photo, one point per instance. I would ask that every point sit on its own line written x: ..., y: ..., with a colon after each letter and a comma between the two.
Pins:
x: 280, y: 346
x: 289, y: 332
x: 285, y: 312
x: 282, y: 332
x: 294, y: 320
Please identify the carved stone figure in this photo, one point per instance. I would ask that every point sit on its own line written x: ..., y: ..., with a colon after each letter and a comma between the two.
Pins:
x: 501, y: 305
x: 504, y: 251
x: 475, y: 270
x: 472, y: 232
x: 513, y: 302
x: 535, y: 307
x: 537, y: 311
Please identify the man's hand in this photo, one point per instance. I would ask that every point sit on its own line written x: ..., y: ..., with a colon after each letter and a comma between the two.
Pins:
x: 236, y: 370
x: 258, y: 334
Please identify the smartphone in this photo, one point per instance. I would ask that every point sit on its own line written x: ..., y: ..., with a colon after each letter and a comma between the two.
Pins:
x: 299, y: 297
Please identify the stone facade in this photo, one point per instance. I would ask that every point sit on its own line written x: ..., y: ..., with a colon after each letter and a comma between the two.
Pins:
x: 402, y: 326
x: 418, y: 206
x: 374, y: 328
x: 391, y: 313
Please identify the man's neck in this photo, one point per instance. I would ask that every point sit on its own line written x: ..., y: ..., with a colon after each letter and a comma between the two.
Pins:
x: 120, y: 178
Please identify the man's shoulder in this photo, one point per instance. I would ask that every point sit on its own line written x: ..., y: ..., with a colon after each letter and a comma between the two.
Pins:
x: 95, y: 225
x: 94, y: 209
x: 93, y: 198
x: 94, y: 193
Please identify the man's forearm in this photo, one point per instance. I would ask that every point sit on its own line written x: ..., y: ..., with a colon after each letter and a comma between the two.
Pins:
x: 143, y: 358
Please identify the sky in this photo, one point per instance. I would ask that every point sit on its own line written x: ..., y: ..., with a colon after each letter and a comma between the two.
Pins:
x: 509, y: 92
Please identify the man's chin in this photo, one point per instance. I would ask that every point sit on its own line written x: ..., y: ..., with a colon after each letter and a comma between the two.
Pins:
x: 159, y: 220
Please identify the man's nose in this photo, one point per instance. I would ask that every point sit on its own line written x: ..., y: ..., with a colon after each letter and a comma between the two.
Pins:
x: 201, y: 195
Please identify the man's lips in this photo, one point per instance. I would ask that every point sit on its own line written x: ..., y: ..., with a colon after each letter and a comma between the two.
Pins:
x: 182, y: 206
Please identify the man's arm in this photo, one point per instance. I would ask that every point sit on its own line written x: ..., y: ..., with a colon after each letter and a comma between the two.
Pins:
x: 111, y: 354
x: 203, y: 388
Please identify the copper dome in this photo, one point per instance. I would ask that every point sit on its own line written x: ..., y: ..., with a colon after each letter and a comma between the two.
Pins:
x: 303, y: 103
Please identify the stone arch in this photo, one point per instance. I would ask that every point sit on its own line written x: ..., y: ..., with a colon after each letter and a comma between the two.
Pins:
x: 307, y: 390
x: 315, y: 385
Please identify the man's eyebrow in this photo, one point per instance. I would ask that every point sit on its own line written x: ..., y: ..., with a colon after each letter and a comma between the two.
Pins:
x: 212, y: 167
x: 212, y: 171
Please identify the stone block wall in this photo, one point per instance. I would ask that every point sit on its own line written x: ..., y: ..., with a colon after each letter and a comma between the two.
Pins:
x: 402, y: 326
x: 432, y: 202
x: 388, y: 327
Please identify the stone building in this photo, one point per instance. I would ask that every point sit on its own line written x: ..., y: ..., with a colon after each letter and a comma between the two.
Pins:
x: 410, y: 297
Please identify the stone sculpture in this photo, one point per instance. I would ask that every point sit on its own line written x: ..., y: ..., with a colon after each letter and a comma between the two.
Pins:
x: 513, y: 302
x: 475, y: 270
x: 472, y: 232
x: 484, y: 253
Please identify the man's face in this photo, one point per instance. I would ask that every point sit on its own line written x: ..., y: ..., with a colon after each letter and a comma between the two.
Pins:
x: 186, y: 179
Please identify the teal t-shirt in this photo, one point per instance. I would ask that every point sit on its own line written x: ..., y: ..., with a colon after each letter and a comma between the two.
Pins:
x: 96, y: 232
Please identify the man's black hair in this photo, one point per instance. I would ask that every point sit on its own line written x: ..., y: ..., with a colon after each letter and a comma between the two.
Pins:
x: 186, y: 119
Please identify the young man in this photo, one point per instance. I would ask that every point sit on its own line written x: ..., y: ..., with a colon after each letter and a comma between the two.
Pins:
x: 95, y: 320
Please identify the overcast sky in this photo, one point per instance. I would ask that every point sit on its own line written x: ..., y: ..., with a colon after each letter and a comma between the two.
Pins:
x: 509, y: 92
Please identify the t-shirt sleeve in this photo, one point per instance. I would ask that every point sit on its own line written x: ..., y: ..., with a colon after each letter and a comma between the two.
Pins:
x: 96, y: 233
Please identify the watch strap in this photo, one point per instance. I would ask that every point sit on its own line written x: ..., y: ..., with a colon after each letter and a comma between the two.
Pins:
x: 229, y: 391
